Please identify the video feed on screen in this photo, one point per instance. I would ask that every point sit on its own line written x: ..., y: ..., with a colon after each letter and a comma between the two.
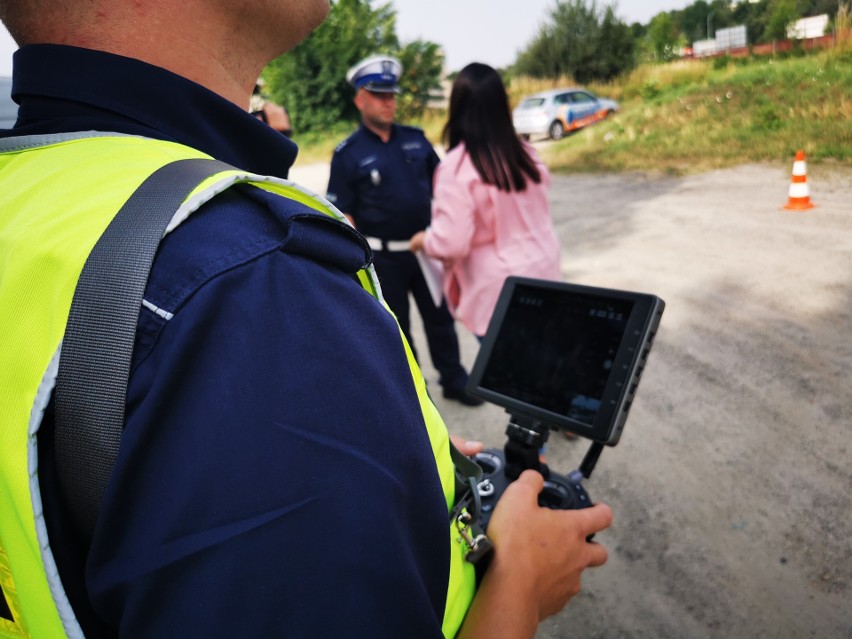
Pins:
x: 557, y: 352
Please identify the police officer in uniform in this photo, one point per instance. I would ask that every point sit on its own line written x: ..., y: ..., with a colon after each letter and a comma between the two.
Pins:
x: 267, y: 111
x: 263, y: 439
x: 381, y: 178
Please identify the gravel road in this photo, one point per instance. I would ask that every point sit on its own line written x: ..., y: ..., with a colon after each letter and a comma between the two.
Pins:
x: 732, y: 484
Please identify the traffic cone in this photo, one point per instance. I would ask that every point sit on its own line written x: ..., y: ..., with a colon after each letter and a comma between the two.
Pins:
x: 799, y: 198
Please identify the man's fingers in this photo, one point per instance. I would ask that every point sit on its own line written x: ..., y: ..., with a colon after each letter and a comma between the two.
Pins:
x: 597, y: 555
x: 591, y: 520
x: 532, y: 481
x: 595, y: 519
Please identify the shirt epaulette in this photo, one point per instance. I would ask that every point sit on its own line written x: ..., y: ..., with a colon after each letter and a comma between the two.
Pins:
x: 411, y: 129
x: 343, y: 144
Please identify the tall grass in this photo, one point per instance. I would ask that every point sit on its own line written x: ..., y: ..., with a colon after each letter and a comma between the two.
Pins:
x: 696, y: 115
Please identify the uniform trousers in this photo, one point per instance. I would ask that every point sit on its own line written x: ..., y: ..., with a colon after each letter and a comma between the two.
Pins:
x: 399, y: 274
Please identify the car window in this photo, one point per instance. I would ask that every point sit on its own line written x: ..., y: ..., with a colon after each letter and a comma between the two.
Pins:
x: 562, y: 98
x: 8, y: 109
x: 532, y: 103
x: 581, y: 97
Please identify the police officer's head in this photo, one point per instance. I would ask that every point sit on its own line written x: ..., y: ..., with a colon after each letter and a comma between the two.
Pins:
x: 376, y: 83
x: 240, y: 28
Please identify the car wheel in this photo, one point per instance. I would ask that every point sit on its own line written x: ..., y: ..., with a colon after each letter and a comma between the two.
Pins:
x: 556, y: 130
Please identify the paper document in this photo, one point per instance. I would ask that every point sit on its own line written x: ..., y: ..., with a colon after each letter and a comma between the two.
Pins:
x: 433, y: 273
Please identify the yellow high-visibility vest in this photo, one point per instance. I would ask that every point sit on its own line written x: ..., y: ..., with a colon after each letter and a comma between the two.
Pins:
x: 57, y: 196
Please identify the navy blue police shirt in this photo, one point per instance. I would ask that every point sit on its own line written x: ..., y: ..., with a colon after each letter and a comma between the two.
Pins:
x: 385, y: 186
x: 275, y: 477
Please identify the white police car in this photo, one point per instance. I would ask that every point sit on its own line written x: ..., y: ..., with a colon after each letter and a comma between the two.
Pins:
x: 8, y: 109
x: 555, y: 113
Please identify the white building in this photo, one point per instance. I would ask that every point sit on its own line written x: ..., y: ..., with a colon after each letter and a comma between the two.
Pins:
x: 813, y: 27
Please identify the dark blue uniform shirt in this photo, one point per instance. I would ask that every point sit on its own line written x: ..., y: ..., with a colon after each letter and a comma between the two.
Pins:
x: 275, y: 478
x: 385, y: 186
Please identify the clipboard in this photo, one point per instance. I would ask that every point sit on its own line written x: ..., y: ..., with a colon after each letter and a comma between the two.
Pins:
x: 433, y: 273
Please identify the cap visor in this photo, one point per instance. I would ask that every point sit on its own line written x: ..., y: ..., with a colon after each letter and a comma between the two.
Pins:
x: 372, y: 88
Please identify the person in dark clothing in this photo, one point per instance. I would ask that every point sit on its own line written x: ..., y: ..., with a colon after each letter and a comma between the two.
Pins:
x: 381, y: 178
x: 282, y: 471
x: 272, y: 114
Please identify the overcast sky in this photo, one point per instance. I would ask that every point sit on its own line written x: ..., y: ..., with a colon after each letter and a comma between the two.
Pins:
x: 494, y: 31
x: 490, y: 31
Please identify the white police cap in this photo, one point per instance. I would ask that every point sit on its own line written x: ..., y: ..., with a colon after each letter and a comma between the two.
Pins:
x: 378, y: 73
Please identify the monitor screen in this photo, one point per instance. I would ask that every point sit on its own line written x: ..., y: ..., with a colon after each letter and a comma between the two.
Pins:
x: 566, y: 354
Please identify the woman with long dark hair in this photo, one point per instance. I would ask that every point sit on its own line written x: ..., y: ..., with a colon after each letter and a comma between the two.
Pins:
x: 490, y: 213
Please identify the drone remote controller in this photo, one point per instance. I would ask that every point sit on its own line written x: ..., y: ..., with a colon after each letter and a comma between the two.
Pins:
x: 560, y: 492
x: 564, y: 357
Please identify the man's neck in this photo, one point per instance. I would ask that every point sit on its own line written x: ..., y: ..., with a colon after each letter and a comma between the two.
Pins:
x: 211, y: 54
x: 384, y: 133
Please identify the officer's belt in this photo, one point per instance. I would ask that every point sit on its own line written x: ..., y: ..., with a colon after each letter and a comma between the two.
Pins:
x: 378, y: 244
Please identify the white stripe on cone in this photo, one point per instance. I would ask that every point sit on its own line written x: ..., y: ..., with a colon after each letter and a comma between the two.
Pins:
x: 799, y: 190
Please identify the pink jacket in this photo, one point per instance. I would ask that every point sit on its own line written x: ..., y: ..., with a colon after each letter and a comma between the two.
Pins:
x: 483, y: 235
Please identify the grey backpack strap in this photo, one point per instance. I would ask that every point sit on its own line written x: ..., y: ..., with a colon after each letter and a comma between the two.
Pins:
x: 94, y: 365
x: 468, y: 476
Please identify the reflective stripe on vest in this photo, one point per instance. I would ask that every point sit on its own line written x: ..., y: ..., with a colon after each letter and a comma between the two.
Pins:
x: 50, y: 218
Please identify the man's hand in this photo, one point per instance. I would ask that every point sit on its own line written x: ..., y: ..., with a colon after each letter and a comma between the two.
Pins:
x: 539, y: 555
x: 552, y: 543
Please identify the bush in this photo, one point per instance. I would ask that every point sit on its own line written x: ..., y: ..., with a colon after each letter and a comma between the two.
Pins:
x: 650, y: 90
x: 721, y: 62
x: 766, y: 118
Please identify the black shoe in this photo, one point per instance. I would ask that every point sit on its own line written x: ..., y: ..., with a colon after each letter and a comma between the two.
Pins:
x: 462, y: 396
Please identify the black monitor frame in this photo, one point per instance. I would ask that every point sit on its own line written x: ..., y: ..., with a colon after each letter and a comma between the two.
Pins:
x: 632, y: 319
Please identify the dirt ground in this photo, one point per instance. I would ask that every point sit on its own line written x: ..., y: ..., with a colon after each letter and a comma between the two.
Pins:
x: 732, y: 484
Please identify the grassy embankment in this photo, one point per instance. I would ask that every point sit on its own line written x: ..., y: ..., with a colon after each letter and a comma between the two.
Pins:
x: 696, y: 115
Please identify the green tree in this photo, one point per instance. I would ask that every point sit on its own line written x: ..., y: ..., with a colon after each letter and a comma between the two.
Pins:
x: 617, y: 40
x: 701, y: 19
x: 818, y: 7
x: 423, y: 64
x: 581, y: 41
x: 754, y: 16
x: 693, y: 21
x: 782, y: 14
x: 664, y: 36
x: 310, y: 80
